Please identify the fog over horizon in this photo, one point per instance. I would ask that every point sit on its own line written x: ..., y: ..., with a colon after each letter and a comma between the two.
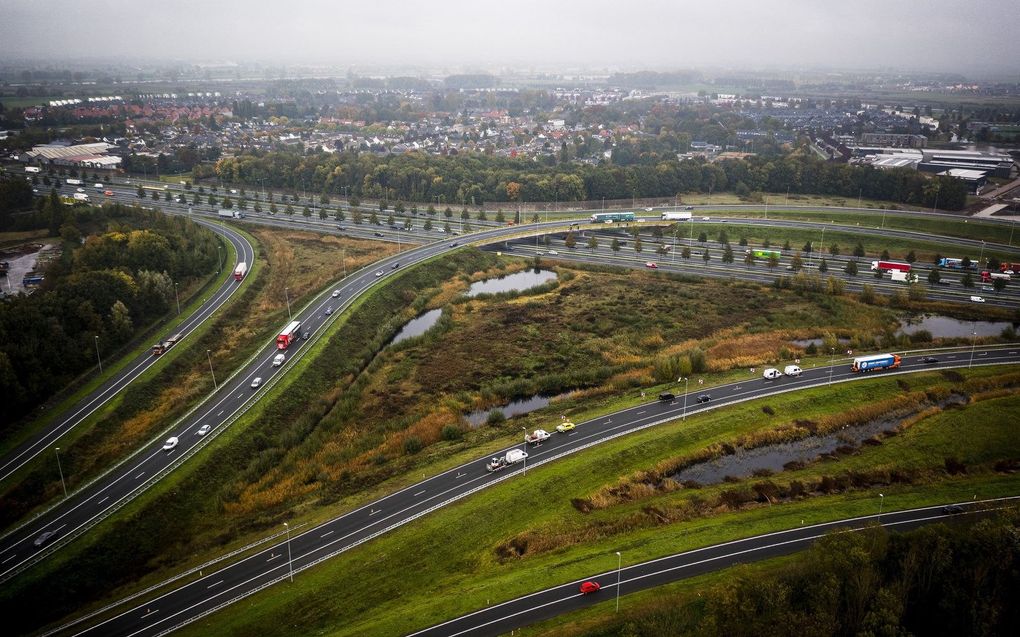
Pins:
x: 978, y: 37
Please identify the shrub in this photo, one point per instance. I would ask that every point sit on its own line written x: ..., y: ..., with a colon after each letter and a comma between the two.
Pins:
x: 412, y: 445
x: 496, y: 418
x: 451, y: 433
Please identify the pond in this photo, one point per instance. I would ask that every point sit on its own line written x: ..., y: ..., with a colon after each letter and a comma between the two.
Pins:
x: 514, y: 408
x: 817, y: 342
x: 512, y: 282
x: 946, y: 327
x: 417, y: 326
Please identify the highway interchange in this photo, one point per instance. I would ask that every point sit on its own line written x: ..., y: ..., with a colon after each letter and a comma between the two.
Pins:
x: 94, y: 502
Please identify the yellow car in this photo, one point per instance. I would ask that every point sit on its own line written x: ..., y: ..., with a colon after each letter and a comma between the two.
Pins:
x: 565, y: 426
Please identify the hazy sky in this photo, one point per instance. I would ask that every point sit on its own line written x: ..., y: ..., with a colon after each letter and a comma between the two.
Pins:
x: 968, y: 36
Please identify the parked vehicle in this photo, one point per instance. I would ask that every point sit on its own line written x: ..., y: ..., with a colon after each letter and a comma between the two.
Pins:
x: 512, y: 457
x: 771, y: 373
x: 875, y: 362
x: 565, y: 426
x: 792, y: 370
x: 278, y: 360
x: 536, y: 437
x: 288, y: 335
x: 240, y: 271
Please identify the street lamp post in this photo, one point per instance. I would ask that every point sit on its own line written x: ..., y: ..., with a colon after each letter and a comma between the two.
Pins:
x: 98, y: 357
x: 343, y: 259
x: 290, y: 560
x: 208, y: 354
x: 219, y: 259
x: 525, y: 430
x: 619, y: 563
x: 973, y: 344
x: 56, y: 450
x: 881, y: 503
x: 178, y: 297
x: 286, y: 293
x: 686, y: 383
x: 982, y: 256
x: 832, y: 361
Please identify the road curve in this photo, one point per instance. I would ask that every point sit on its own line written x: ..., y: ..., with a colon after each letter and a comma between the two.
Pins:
x: 195, y: 599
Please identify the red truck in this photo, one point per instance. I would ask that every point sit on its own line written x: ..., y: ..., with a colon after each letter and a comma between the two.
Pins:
x: 1010, y: 268
x: 987, y: 276
x: 289, y: 334
x: 240, y: 271
x: 890, y: 265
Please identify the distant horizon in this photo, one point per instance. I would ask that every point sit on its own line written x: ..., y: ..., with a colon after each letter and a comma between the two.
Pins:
x: 868, y: 36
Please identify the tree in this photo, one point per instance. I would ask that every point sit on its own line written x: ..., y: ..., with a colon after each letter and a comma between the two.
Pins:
x: 998, y: 285
x: 242, y: 204
x: 535, y: 218
x: 743, y: 241
x: 911, y: 257
x: 431, y: 210
x: 967, y: 280
x: 867, y: 292
x: 934, y: 277
x: 593, y: 243
x: 166, y: 196
x: 823, y: 265
x: 638, y: 246
x: 859, y: 250
x: 374, y: 219
x: 796, y: 263
x: 323, y: 214
x: 481, y: 215
x: 685, y: 253
x: 834, y: 249
x: 727, y: 255
x: 354, y: 201
x: 885, y: 255
x: 120, y: 321
x: 705, y: 256
x: 615, y: 245
x: 383, y: 205
x: 851, y: 268
x: 773, y: 261
x: 702, y: 237
x: 407, y: 223
x: 289, y: 210
x: 723, y: 238
x: 428, y: 223
x: 966, y: 262
x: 258, y: 207
x: 155, y: 195
x: 273, y: 209
x: 390, y: 221
x: 141, y: 192
x: 227, y: 203
x: 786, y: 246
x: 807, y: 248
x: 212, y: 199
x: 662, y: 250
x: 749, y: 259
x: 499, y: 216
x: 570, y: 241
x: 446, y: 227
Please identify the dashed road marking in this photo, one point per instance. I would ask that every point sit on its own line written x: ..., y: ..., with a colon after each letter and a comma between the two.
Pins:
x: 214, y: 584
x: 139, y: 475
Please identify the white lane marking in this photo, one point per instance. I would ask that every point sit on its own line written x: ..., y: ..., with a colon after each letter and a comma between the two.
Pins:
x: 221, y: 413
x: 139, y: 475
x: 14, y: 555
x: 950, y: 356
x: 419, y: 493
x: 373, y: 512
x: 272, y: 557
x: 103, y: 500
x: 641, y: 412
x: 571, y: 433
x: 214, y: 584
x: 240, y: 395
x: 326, y: 533
x: 149, y: 612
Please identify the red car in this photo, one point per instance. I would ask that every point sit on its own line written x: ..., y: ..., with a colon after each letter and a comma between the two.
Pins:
x: 651, y: 265
x: 108, y: 193
x: 589, y: 587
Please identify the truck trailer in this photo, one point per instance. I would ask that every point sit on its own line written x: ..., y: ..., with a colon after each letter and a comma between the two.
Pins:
x: 988, y: 277
x: 676, y: 216
x: 890, y: 265
x: 162, y: 346
x: 875, y: 362
x: 536, y: 437
x: 240, y: 270
x: 512, y: 457
x: 289, y: 334
x: 230, y: 214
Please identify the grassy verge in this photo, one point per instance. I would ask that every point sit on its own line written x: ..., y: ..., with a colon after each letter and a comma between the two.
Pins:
x: 455, y: 549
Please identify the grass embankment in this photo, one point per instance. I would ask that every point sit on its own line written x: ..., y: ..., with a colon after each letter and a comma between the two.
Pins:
x: 302, y: 261
x: 461, y: 552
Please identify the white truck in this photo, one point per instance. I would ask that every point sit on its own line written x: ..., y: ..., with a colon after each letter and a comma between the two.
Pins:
x: 676, y: 216
x: 232, y: 214
x: 81, y: 196
x: 73, y: 182
x: 32, y: 169
x: 512, y: 457
x: 536, y: 437
x: 792, y: 370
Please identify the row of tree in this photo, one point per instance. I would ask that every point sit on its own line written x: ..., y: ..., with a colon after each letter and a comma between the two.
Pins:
x: 477, y: 178
x: 96, y: 297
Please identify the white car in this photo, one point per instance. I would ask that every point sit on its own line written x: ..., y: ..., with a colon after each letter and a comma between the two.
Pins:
x: 553, y: 252
x: 649, y: 209
x: 378, y: 272
x: 336, y: 293
x: 705, y: 218
x: 977, y: 299
x: 170, y: 443
x: 771, y: 373
x: 204, y: 429
x: 255, y: 383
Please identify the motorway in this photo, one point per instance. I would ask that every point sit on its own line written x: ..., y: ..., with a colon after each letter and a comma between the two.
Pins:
x: 270, y: 565
x: 61, y: 424
x: 542, y: 605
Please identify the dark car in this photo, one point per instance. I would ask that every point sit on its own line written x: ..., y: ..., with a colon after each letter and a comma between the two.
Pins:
x: 929, y: 359
x: 378, y: 234
x: 704, y: 398
x: 666, y: 396
x: 952, y: 509
x: 305, y: 336
x: 395, y: 266
x: 44, y: 538
x: 329, y: 310
x: 589, y: 587
x: 340, y: 228
x: 453, y: 245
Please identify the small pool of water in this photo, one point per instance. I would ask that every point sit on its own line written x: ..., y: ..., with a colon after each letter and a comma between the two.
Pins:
x: 946, y: 327
x: 512, y: 282
x: 417, y: 326
x: 514, y: 408
x: 817, y: 342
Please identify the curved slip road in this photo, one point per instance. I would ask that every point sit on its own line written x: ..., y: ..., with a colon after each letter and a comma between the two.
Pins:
x: 195, y: 599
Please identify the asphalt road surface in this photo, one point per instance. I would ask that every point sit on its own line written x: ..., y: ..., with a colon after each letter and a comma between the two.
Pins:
x: 193, y: 600
x: 44, y: 440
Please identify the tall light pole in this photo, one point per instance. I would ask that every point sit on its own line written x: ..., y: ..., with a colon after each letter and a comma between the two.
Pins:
x: 98, y: 357
x: 178, y: 297
x: 219, y: 259
x: 832, y: 361
x: 619, y: 563
x: 973, y: 344
x: 982, y: 255
x: 686, y: 383
x: 208, y: 353
x: 286, y: 293
x: 881, y: 502
x: 343, y: 259
x: 290, y: 560
x: 56, y: 450
x: 525, y: 430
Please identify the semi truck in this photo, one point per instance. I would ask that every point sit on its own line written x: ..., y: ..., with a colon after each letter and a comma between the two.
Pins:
x: 987, y: 277
x: 875, y: 362
x: 953, y: 263
x: 610, y: 217
x: 536, y: 437
x: 1010, y: 268
x: 240, y: 271
x: 890, y: 265
x: 81, y: 196
x: 231, y: 214
x: 162, y: 346
x: 676, y: 216
x: 289, y: 334
x: 764, y: 254
x: 512, y: 457
x: 73, y: 182
x: 32, y: 169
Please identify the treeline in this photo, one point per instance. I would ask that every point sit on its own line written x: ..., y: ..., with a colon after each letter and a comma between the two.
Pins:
x: 112, y: 285
x: 477, y: 178
x: 938, y: 580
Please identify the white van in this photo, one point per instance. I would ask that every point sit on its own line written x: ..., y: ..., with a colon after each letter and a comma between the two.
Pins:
x: 792, y: 370
x: 278, y: 360
x: 771, y: 373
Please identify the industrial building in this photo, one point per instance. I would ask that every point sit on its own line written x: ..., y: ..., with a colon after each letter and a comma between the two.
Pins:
x: 92, y: 156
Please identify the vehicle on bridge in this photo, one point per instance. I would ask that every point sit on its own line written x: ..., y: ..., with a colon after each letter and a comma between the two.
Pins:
x: 612, y: 217
x: 875, y: 362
